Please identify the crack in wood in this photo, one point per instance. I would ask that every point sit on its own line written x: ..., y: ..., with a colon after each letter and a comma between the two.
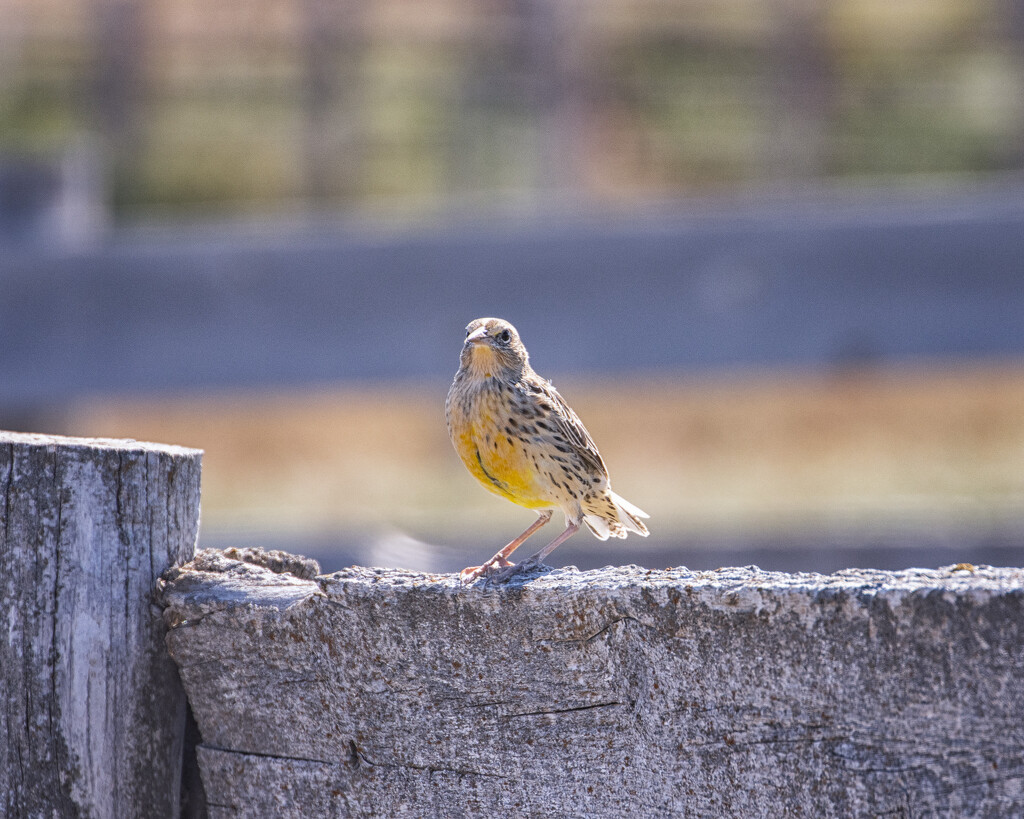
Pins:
x: 569, y: 710
x: 595, y: 635
x: 265, y: 755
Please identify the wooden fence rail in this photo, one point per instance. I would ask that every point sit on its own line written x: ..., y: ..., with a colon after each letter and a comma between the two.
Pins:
x: 618, y: 692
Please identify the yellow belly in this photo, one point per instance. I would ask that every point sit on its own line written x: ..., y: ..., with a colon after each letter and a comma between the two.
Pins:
x: 497, y: 460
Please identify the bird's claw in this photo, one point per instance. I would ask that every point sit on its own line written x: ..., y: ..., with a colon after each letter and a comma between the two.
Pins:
x: 496, y: 564
x: 511, y: 571
x: 471, y: 574
x: 498, y: 570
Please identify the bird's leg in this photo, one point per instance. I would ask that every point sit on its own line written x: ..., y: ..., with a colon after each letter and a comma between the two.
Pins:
x: 500, y: 560
x: 535, y: 560
x: 570, y: 530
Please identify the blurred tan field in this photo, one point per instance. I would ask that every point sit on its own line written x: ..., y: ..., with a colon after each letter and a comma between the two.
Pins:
x: 934, y: 449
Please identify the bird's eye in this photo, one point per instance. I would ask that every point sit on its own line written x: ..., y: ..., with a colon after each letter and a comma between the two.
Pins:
x: 467, y: 332
x: 503, y: 336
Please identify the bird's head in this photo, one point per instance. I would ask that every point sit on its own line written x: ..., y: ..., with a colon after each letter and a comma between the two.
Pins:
x: 493, y: 348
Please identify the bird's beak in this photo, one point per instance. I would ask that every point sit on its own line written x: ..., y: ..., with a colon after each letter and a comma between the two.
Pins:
x: 478, y: 335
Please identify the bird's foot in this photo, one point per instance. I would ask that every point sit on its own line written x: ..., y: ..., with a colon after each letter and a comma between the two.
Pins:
x: 473, y: 573
x: 529, y: 566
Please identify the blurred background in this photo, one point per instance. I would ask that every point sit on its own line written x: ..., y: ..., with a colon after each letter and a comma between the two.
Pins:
x: 772, y: 253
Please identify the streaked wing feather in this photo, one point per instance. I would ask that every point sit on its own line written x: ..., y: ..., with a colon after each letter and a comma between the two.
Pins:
x: 569, y: 425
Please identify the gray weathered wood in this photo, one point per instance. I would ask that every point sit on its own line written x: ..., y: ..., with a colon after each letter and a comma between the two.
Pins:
x: 619, y: 692
x: 91, y: 709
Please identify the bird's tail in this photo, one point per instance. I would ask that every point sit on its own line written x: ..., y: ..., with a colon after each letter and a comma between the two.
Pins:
x: 629, y: 515
x: 614, y: 516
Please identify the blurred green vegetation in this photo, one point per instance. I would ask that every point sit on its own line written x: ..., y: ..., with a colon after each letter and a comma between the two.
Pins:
x: 265, y: 103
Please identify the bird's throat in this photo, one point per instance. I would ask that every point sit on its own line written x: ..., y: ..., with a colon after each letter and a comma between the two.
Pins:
x: 483, y: 361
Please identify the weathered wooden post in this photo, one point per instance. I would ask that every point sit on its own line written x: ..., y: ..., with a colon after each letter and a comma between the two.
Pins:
x: 92, y: 713
x: 613, y: 693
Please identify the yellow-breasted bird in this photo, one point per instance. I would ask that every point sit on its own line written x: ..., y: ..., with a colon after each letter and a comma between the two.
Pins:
x: 519, y: 438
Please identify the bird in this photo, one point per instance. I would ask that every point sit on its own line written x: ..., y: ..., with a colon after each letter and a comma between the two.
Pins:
x: 517, y: 436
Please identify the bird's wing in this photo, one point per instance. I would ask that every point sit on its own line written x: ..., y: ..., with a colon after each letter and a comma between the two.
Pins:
x: 569, y: 427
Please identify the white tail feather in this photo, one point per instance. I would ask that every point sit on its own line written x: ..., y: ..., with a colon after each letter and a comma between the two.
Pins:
x: 598, y: 525
x: 626, y: 519
x: 629, y: 515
